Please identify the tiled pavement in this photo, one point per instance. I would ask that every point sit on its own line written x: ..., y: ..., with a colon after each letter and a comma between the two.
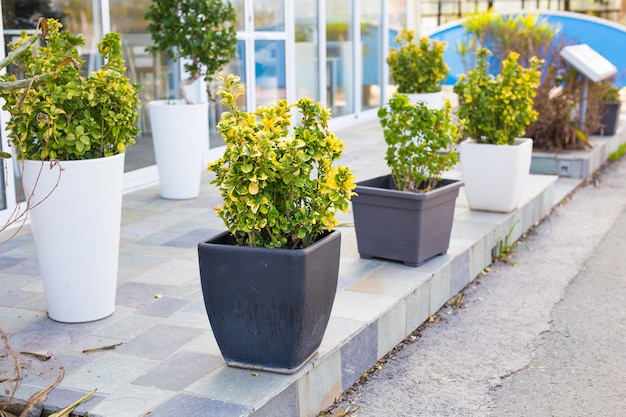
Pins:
x: 168, y: 362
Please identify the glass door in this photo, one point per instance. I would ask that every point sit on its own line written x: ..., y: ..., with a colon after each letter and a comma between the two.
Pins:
x: 269, y: 43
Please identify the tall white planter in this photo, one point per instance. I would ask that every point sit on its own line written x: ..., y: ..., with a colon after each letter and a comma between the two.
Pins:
x: 179, y: 133
x: 76, y: 227
x: 495, y: 176
x: 433, y: 101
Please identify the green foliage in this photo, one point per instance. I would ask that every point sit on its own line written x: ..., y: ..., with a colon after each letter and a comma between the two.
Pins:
x: 60, y: 114
x: 419, y: 142
x: 527, y: 34
x: 616, y: 155
x: 497, y: 109
x: 608, y: 91
x: 278, y: 185
x: 417, y: 67
x: 203, y: 31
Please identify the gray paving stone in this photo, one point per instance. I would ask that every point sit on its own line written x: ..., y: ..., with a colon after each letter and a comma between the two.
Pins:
x: 319, y: 386
x: 131, y: 401
x: 136, y: 294
x: 159, y: 342
x: 439, y: 289
x: 459, y: 272
x: 7, y: 262
x: 18, y: 298
x: 241, y: 386
x: 109, y: 372
x: 192, y: 238
x: 281, y: 405
x: 180, y: 370
x: 391, y: 327
x: 185, y: 405
x: 163, y: 307
x: 60, y: 398
x: 358, y: 355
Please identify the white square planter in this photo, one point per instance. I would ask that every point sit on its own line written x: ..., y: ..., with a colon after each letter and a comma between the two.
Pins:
x: 495, y: 176
x: 433, y: 101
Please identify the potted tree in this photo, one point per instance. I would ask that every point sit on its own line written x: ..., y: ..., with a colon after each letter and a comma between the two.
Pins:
x: 70, y: 132
x: 494, y: 110
x: 202, y: 34
x: 269, y: 282
x: 407, y: 215
x: 417, y: 69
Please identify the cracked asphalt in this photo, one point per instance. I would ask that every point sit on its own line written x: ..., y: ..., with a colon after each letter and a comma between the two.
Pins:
x: 543, y: 336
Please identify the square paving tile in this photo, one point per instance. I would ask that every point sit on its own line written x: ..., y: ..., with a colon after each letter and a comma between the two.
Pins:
x: 159, y: 342
x: 180, y: 370
x: 185, y: 405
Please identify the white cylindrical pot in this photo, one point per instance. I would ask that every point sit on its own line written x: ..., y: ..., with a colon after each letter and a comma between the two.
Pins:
x: 495, y: 176
x: 179, y: 133
x: 75, y: 215
x: 433, y: 101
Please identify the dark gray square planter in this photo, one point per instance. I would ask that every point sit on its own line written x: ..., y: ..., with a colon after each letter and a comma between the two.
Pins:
x: 610, y: 118
x: 403, y: 226
x: 269, y: 308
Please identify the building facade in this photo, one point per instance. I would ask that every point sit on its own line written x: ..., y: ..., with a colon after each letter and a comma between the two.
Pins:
x: 330, y: 50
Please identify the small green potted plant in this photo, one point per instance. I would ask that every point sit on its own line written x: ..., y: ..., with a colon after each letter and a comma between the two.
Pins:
x: 610, y: 106
x: 201, y: 33
x: 418, y: 68
x: 494, y: 110
x: 70, y: 133
x: 269, y: 281
x: 407, y: 215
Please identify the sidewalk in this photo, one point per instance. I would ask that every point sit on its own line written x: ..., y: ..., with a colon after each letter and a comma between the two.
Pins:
x: 169, y: 364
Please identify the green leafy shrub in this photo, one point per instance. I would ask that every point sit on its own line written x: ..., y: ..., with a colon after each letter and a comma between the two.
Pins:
x: 279, y: 187
x: 203, y: 31
x: 497, y: 108
x: 419, y: 142
x: 527, y: 34
x: 417, y: 67
x: 56, y: 112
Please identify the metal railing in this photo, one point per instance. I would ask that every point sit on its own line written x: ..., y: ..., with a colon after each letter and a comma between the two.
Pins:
x: 447, y: 10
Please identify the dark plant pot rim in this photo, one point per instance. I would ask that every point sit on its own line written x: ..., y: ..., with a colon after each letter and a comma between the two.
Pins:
x: 385, y: 186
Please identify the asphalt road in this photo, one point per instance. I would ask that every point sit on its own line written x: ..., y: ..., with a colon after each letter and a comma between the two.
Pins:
x: 544, y: 335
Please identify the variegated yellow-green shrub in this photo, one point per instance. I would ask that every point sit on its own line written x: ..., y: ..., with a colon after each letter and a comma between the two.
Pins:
x: 417, y: 67
x: 278, y: 183
x: 497, y: 109
x: 56, y: 111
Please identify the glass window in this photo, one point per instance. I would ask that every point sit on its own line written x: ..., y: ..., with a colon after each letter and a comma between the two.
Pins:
x: 236, y: 66
x: 307, y: 74
x: 269, y: 71
x: 397, y: 22
x: 269, y: 15
x: 339, y: 57
x: 370, y: 40
x: 75, y: 15
x: 239, y: 6
x: 152, y: 73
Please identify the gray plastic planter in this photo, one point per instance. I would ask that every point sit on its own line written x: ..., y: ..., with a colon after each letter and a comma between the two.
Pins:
x: 403, y: 226
x: 610, y: 118
x: 269, y: 308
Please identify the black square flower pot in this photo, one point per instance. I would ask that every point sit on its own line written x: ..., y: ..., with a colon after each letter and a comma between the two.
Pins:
x: 269, y: 308
x: 610, y: 118
x: 403, y: 226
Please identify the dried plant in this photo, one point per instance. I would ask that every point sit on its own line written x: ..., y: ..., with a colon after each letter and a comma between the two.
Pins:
x: 558, y: 104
